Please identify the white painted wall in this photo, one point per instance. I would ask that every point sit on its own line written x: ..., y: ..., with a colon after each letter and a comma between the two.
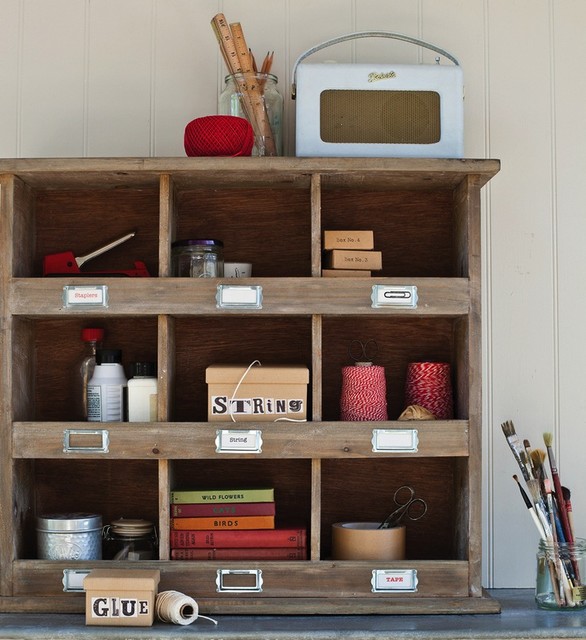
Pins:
x: 123, y: 77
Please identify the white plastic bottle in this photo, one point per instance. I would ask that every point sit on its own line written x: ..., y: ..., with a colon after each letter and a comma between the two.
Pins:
x: 92, y: 339
x: 107, y: 387
x: 142, y: 393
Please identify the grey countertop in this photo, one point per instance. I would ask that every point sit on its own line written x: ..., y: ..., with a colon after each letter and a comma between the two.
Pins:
x: 519, y: 619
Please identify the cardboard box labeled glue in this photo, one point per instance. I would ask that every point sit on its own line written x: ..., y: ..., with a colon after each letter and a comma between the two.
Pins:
x: 265, y: 394
x: 121, y: 597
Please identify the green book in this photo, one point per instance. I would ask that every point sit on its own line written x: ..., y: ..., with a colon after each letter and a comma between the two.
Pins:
x: 203, y: 496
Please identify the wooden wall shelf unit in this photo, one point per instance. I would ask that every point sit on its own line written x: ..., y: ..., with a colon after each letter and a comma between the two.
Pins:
x: 425, y: 214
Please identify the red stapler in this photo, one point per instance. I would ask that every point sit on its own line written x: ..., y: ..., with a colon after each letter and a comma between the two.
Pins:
x: 66, y: 264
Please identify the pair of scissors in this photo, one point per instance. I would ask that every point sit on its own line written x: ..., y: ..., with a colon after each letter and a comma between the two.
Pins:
x: 408, y: 505
x: 363, y: 351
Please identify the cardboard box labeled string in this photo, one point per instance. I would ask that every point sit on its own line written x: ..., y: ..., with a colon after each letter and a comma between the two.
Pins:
x: 259, y: 393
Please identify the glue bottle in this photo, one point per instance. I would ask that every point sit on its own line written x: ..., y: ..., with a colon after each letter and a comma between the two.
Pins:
x: 107, y: 387
x: 142, y: 393
x: 92, y: 339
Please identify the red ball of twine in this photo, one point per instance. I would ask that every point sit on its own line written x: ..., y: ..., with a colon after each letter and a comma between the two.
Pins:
x: 429, y: 384
x: 218, y: 136
x: 364, y: 394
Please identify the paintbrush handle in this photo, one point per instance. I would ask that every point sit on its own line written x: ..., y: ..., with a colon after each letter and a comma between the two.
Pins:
x: 563, y: 511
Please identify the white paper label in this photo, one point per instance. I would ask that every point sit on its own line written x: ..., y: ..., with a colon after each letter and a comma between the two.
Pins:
x: 73, y: 579
x: 398, y: 440
x: 85, y: 295
x: 236, y: 441
x: 394, y: 580
x: 230, y: 296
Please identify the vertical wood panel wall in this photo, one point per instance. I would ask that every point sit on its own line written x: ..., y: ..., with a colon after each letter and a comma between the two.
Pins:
x: 123, y: 77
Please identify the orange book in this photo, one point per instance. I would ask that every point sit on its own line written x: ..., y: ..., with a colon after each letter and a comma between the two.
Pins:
x: 241, y: 522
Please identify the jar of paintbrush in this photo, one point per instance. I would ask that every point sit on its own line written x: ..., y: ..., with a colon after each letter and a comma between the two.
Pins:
x: 561, y: 570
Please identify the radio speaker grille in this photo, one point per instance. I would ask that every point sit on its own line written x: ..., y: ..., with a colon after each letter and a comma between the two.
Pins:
x: 395, y: 117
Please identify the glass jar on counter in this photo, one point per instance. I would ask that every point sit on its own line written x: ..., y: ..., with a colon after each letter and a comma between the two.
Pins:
x: 269, y: 106
x: 203, y: 258
x: 561, y: 571
x: 128, y: 539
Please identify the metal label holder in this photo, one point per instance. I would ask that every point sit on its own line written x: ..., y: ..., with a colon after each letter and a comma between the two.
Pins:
x: 238, y: 441
x: 241, y: 576
x: 237, y: 296
x: 395, y: 440
x: 102, y: 434
x: 73, y: 580
x: 397, y: 580
x: 82, y: 296
x: 388, y: 295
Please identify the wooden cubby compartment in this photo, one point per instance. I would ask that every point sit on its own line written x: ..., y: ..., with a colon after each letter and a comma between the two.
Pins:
x: 425, y: 214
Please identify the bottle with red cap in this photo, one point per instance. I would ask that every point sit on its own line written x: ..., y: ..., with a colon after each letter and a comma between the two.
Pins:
x: 92, y: 339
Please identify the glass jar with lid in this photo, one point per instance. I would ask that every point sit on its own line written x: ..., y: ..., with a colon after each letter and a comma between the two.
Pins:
x: 270, y: 106
x: 199, y: 258
x: 130, y: 539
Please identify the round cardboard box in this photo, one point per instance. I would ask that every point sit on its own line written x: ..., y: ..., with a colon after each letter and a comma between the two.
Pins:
x: 365, y: 541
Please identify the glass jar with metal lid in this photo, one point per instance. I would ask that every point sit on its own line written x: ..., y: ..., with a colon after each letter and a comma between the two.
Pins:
x: 130, y: 539
x: 200, y: 258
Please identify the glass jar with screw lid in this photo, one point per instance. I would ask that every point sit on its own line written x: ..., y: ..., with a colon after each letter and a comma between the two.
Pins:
x: 129, y: 539
x: 200, y: 258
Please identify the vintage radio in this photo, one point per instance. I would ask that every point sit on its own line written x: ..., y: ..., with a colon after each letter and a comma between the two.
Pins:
x: 379, y: 109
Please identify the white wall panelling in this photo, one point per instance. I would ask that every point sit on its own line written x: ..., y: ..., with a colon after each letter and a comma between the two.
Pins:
x: 123, y: 78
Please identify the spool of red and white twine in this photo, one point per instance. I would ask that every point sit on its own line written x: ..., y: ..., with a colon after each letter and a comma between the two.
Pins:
x: 429, y: 384
x: 364, y: 393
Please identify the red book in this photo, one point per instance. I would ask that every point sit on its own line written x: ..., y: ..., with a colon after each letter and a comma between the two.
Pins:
x: 223, y: 509
x: 276, y: 553
x: 224, y: 522
x: 243, y: 538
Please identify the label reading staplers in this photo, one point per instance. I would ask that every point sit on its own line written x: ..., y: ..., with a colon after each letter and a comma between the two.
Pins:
x: 66, y: 264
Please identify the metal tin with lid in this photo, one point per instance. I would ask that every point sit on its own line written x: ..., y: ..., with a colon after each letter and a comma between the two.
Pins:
x: 203, y: 258
x: 69, y: 536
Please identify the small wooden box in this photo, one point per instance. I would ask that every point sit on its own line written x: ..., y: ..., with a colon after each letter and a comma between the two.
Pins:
x: 349, y: 240
x: 121, y: 597
x: 363, y: 260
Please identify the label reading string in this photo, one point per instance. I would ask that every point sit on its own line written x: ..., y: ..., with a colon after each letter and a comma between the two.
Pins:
x: 178, y: 608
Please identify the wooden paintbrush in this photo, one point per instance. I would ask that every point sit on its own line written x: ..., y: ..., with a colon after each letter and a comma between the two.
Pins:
x: 568, y: 500
x: 563, y: 511
x: 529, y: 505
x: 517, y: 448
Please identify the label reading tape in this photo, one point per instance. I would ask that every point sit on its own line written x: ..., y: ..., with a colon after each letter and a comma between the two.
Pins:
x: 394, y: 580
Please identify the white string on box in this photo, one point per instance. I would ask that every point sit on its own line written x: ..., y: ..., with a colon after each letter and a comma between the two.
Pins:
x: 238, y: 386
x: 178, y: 608
x: 231, y: 404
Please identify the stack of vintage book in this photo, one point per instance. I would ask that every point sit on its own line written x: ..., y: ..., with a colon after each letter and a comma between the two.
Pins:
x: 226, y: 524
x: 350, y: 254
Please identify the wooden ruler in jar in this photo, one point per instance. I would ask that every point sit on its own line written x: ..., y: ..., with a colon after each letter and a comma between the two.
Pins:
x: 240, y: 64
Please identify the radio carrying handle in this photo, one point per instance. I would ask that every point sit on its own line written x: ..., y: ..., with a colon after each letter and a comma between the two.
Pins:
x: 366, y: 34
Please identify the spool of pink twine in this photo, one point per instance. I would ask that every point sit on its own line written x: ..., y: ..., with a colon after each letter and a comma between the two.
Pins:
x: 364, y: 393
x: 429, y: 384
